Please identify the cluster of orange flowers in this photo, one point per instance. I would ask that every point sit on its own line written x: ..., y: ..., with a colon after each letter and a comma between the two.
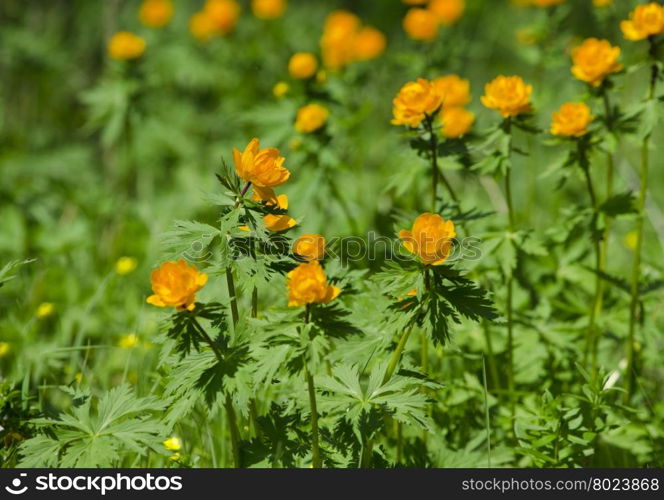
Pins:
x: 424, y: 21
x: 447, y: 95
x: 345, y: 40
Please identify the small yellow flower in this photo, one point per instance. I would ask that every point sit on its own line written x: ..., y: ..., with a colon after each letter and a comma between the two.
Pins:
x: 302, y: 65
x: 175, y: 457
x: 78, y: 377
x: 414, y: 101
x: 4, y: 348
x: 175, y: 285
x: 125, y: 45
x: 310, y: 246
x: 447, y: 11
x: 128, y: 341
x: 125, y: 265
x: 644, y: 21
x: 571, y: 120
x: 594, y: 60
x: 421, y: 24
x: 45, y: 309
x: 430, y: 238
x: 202, y: 27
x: 173, y: 443
x: 307, y: 284
x: 311, y: 118
x: 456, y: 122
x: 454, y: 90
x: 631, y: 240
x: 280, y: 89
x: 223, y: 14
x: 156, y: 13
x: 261, y: 167
x: 369, y: 44
x: 508, y: 95
x: 268, y: 9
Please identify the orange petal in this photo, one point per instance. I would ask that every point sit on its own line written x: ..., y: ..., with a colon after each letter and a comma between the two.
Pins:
x: 331, y: 294
x: 155, y: 300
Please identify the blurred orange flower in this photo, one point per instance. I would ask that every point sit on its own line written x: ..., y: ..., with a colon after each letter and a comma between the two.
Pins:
x: 369, y: 44
x: 155, y: 13
x: 509, y: 95
x: 175, y: 285
x: 644, y: 21
x: 125, y: 46
x: 268, y: 9
x: 311, y: 118
x: 307, y: 284
x: 414, y: 101
x: 421, y: 24
x: 547, y: 3
x: 223, y: 14
x: 456, y: 122
x: 571, y: 120
x: 455, y: 91
x: 594, y: 59
x: 430, y: 238
x: 447, y: 11
x: 202, y: 27
x: 263, y: 168
x: 302, y: 65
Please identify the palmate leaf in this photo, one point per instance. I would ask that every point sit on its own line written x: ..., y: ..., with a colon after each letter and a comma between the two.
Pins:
x: 619, y: 204
x: 182, y: 327
x: 85, y: 438
x: 190, y: 240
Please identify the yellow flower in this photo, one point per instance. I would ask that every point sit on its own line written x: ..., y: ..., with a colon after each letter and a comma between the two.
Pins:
x: 631, y: 240
x: 456, y: 122
x: 302, y: 65
x: 273, y: 222
x: 430, y: 239
x: 263, y: 168
x: 280, y: 89
x: 455, y: 91
x: 547, y: 3
x: 125, y: 45
x: 338, y: 40
x: 125, y: 265
x: 447, y: 11
x: 202, y: 27
x: 369, y: 44
x: 310, y: 246
x: 311, y: 118
x: 223, y: 14
x: 128, y: 341
x: 307, y: 284
x: 173, y: 444
x: 414, y: 101
x: 268, y: 9
x: 175, y: 285
x: 571, y: 120
x: 644, y: 21
x: 421, y: 24
x: 4, y: 348
x: 156, y: 13
x: 509, y: 95
x: 602, y: 3
x: 594, y: 59
x: 415, y: 2
x: 45, y: 309
x: 78, y: 377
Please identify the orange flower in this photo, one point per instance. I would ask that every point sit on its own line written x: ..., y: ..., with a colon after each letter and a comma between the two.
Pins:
x: 455, y: 91
x: 311, y: 118
x: 415, y: 2
x: 125, y: 45
x: 414, y: 101
x: 338, y: 40
x: 571, y: 120
x: 430, y: 238
x: 263, y: 168
x: 509, y: 95
x: 594, y: 60
x: 175, y: 285
x: 421, y: 24
x: 268, y: 9
x: 547, y: 3
x: 456, y: 122
x: 447, y: 11
x: 273, y: 222
x: 310, y: 246
x: 369, y: 44
x: 223, y: 14
x: 302, y: 65
x: 156, y: 13
x: 202, y: 27
x: 602, y: 3
x: 307, y: 284
x: 644, y: 21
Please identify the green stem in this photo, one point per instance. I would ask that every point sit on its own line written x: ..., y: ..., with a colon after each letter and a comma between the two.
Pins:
x: 493, y: 367
x: 396, y: 355
x: 231, y: 293
x: 510, y: 280
x: 433, y: 144
x: 315, y: 446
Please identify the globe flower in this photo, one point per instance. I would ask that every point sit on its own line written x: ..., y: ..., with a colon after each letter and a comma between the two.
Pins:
x: 414, y: 101
x: 310, y: 247
x: 202, y: 27
x: 307, y: 284
x: 455, y: 91
x: 430, y: 239
x: 263, y: 168
x: 223, y: 14
x: 155, y: 13
x: 594, y: 60
x: 447, y: 11
x: 124, y: 46
x: 175, y: 284
x: 456, y: 122
x: 571, y: 120
x: 508, y: 95
x: 311, y: 118
x: 338, y: 40
x: 369, y: 44
x: 273, y: 222
x: 644, y: 21
x: 421, y: 24
x: 302, y: 65
x: 268, y: 9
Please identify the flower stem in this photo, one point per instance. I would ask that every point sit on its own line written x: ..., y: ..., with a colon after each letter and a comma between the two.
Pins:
x: 510, y: 279
x: 433, y: 145
x: 396, y: 355
x: 231, y: 293
x: 636, y: 265
x: 315, y: 446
